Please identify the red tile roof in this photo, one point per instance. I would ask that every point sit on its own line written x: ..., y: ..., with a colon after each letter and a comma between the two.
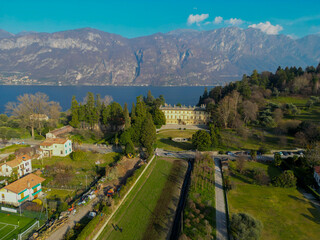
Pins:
x: 51, y: 141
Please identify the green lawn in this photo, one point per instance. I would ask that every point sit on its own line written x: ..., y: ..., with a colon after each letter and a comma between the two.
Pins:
x: 12, y: 148
x: 312, y: 114
x: 149, y: 208
x: 8, y: 232
x: 164, y: 136
x: 298, y: 101
x: 284, y: 212
x: 232, y: 141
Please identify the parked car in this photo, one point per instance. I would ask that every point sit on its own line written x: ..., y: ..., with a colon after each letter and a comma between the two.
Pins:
x: 285, y: 153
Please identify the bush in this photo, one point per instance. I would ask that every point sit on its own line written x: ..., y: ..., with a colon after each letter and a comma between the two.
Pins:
x: 286, y: 180
x: 264, y: 150
x: 260, y: 176
x: 244, y: 227
x: 78, y: 155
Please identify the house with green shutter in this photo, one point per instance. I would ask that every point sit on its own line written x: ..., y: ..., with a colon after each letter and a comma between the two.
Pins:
x: 24, y: 189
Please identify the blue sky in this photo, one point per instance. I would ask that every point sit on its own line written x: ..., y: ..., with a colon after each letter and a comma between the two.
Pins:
x: 134, y: 18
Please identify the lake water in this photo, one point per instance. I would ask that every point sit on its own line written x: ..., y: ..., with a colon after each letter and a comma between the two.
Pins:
x: 63, y: 95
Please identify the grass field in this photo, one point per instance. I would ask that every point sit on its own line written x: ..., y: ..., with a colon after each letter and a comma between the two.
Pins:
x: 150, y: 207
x: 9, y: 228
x: 12, y: 148
x: 284, y: 212
x: 164, y: 139
x: 259, y: 138
x: 312, y: 114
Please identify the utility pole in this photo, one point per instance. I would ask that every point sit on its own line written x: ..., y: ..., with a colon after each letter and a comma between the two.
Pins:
x: 86, y: 183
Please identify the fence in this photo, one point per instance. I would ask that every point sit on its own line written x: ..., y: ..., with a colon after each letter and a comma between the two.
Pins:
x: 26, y: 233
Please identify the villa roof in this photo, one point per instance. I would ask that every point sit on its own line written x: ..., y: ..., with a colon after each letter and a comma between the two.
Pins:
x: 22, y: 183
x: 51, y: 141
x: 174, y: 107
x: 317, y: 170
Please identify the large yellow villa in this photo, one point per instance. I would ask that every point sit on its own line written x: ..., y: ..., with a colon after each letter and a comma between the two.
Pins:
x: 184, y: 115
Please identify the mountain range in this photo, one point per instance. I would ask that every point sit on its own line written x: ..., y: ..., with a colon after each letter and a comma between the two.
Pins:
x: 182, y: 57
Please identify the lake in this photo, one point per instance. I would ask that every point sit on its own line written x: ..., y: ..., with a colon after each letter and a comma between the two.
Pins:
x: 63, y: 94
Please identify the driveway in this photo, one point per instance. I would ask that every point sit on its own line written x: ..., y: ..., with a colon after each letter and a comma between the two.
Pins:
x: 221, y: 216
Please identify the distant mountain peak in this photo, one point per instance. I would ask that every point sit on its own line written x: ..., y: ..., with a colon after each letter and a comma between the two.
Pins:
x: 180, y: 57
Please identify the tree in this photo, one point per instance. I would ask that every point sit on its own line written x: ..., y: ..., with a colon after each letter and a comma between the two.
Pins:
x: 127, y: 120
x: 286, y: 179
x: 30, y: 109
x: 277, y: 159
x: 129, y: 149
x: 158, y: 117
x: 241, y: 164
x: 150, y: 99
x: 74, y: 113
x: 148, y: 133
x: 253, y: 154
x: 250, y: 111
x: 312, y: 156
x: 113, y: 116
x: 245, y: 227
x: 201, y: 140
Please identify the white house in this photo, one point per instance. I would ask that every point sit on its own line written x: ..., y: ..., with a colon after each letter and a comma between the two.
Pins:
x: 24, y: 189
x: 21, y: 165
x: 56, y: 147
x: 316, y: 174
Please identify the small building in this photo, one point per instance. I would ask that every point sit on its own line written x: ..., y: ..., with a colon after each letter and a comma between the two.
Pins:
x: 55, y: 147
x: 183, y: 115
x: 21, y: 165
x: 59, y: 132
x: 24, y: 189
x: 316, y: 174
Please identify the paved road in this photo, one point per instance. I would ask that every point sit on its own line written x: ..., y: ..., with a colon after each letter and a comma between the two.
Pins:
x: 221, y: 216
x: 73, y: 219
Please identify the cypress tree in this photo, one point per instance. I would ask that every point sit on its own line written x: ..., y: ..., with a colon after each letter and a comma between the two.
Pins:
x: 148, y: 133
x: 74, y: 113
x: 127, y: 121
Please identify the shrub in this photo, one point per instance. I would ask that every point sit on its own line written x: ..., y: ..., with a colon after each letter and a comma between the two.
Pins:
x: 264, y: 150
x: 244, y: 227
x: 260, y: 176
x: 78, y: 155
x: 286, y: 180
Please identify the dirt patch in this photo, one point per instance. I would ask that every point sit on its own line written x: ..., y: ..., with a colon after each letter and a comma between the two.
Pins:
x: 118, y: 174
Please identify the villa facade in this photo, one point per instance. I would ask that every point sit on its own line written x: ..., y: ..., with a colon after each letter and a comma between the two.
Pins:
x: 183, y: 115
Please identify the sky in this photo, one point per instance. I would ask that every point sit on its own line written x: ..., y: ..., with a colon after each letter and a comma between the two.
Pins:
x: 295, y: 18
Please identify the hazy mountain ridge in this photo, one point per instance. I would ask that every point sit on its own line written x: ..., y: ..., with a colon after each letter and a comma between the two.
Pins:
x: 180, y: 57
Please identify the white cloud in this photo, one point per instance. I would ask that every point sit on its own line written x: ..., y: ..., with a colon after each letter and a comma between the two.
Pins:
x: 218, y: 20
x: 234, y: 21
x: 267, y: 27
x: 197, y: 19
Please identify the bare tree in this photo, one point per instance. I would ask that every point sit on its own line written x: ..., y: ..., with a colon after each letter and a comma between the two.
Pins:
x: 250, y: 111
x: 277, y: 115
x: 225, y: 110
x: 33, y: 109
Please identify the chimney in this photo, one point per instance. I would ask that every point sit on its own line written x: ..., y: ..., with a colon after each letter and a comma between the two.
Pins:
x: 28, y: 184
